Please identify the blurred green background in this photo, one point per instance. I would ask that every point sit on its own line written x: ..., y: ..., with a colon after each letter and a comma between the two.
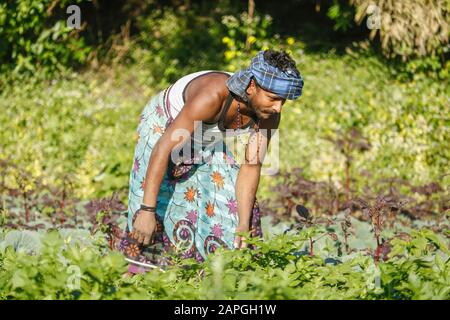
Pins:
x: 71, y: 99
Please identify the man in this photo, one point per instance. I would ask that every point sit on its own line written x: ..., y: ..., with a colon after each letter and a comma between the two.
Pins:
x: 207, y: 205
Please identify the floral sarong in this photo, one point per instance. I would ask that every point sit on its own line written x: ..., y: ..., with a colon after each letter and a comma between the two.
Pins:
x: 196, y: 212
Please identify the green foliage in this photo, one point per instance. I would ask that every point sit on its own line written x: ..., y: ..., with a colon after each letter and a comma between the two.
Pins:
x: 173, y: 42
x: 75, y: 133
x: 277, y: 269
x: 63, y: 136
x: 413, y: 35
x: 245, y: 36
x: 84, y: 125
x: 33, y: 37
x: 420, y: 275
x: 407, y: 29
x: 342, y: 14
x: 61, y: 271
x: 405, y: 123
x: 431, y: 66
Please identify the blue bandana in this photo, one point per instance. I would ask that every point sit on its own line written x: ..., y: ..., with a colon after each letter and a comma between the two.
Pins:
x: 286, y: 84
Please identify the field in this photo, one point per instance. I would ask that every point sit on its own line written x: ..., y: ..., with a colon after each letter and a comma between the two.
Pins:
x: 359, y: 209
x: 390, y: 243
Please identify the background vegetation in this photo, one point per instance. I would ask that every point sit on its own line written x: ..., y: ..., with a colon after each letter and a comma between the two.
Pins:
x: 372, y: 125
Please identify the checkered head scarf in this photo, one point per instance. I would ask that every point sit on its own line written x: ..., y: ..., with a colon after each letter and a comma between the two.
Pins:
x: 286, y: 84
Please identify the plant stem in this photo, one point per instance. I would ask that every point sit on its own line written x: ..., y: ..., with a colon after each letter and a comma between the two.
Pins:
x: 251, y: 11
x: 347, y: 178
x: 27, y: 210
x: 346, y: 242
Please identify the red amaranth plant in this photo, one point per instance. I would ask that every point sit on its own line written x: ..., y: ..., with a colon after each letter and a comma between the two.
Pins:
x: 378, y: 212
x: 306, y: 220
x: 104, y: 213
x: 348, y: 143
x: 346, y: 226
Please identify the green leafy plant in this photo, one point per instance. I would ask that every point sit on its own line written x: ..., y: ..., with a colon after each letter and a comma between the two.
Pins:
x: 32, y: 36
x: 342, y: 14
x: 418, y: 269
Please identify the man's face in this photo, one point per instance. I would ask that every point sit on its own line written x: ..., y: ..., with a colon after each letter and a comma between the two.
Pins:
x: 263, y: 102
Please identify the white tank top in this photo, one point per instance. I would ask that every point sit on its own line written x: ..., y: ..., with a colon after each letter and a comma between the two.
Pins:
x: 211, y: 133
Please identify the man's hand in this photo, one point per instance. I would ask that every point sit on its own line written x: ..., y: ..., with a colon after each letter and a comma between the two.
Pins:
x: 144, y: 227
x: 239, y: 242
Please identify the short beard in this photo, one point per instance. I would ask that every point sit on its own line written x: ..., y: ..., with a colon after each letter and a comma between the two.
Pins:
x: 251, y: 107
x: 249, y: 103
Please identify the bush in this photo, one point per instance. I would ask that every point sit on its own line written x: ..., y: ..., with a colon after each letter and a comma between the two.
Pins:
x: 408, y: 29
x: 34, y: 34
x: 173, y: 42
x: 277, y: 269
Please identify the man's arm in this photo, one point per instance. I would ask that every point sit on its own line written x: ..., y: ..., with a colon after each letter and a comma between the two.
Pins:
x: 200, y: 107
x: 250, y: 171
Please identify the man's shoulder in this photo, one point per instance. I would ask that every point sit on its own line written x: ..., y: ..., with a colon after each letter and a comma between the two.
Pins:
x: 212, y: 83
x: 216, y: 74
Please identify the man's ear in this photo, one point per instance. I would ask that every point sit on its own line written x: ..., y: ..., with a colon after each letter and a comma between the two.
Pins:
x: 252, y: 82
x: 251, y: 87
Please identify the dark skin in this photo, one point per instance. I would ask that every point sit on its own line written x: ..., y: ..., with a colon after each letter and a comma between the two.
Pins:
x: 205, y: 98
